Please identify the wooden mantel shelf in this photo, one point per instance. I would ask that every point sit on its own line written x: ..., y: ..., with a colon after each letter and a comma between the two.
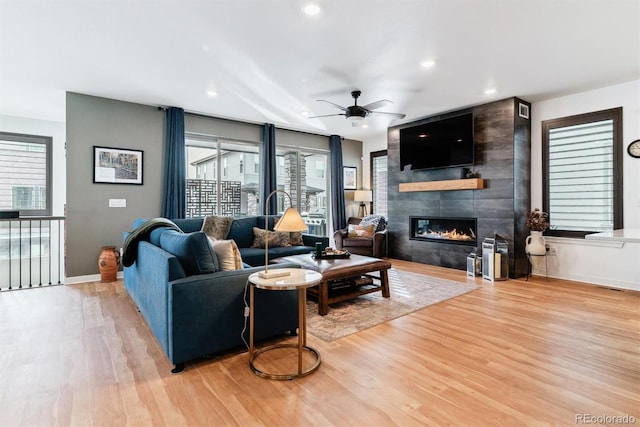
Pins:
x: 453, y: 184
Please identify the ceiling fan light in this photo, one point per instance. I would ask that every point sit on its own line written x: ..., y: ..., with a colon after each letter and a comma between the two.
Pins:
x: 355, y: 119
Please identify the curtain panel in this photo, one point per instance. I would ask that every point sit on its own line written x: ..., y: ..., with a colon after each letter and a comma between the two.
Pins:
x: 338, y: 205
x: 269, y: 175
x: 175, y: 170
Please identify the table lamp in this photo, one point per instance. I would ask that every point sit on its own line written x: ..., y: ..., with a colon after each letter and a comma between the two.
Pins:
x: 362, y: 196
x: 290, y: 221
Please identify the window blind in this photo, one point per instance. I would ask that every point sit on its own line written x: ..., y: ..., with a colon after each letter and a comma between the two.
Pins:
x: 581, y: 177
x: 379, y: 175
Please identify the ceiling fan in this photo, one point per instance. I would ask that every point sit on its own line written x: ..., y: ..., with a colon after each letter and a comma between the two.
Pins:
x: 357, y: 113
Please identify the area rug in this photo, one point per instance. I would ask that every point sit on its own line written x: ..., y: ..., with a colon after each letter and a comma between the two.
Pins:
x: 409, y: 292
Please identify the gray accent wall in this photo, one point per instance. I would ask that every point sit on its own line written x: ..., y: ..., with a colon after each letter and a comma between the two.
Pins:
x: 502, y: 151
x: 91, y: 120
x: 91, y: 223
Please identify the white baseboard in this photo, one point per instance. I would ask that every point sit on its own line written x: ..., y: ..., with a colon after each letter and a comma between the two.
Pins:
x: 88, y: 278
x: 598, y: 281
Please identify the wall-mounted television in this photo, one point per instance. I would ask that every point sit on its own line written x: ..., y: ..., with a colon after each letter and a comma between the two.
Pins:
x: 443, y: 143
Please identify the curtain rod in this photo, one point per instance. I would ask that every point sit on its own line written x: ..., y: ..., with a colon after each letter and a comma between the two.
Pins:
x: 209, y: 116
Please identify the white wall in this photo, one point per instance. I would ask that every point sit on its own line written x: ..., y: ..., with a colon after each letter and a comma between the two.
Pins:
x: 57, y: 131
x: 604, y: 263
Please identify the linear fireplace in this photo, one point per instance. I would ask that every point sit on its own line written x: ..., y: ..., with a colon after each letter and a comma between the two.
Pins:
x: 461, y: 231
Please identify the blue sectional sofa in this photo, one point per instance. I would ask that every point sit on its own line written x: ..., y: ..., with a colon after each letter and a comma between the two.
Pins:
x: 194, y: 310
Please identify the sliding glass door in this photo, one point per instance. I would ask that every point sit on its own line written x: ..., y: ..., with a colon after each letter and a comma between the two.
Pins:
x: 304, y: 175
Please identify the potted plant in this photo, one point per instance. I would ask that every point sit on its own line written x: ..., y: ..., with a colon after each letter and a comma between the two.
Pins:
x: 537, y: 222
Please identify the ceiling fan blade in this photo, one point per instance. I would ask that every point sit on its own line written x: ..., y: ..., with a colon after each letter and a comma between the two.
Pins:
x: 326, y: 115
x: 396, y: 115
x: 335, y: 105
x: 377, y: 104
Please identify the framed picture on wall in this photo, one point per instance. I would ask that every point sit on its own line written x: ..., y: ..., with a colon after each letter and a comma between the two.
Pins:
x: 350, y: 177
x: 117, y: 166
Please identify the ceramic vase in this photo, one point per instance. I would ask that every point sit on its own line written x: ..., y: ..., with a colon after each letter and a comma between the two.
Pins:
x: 535, y: 244
x: 108, y: 263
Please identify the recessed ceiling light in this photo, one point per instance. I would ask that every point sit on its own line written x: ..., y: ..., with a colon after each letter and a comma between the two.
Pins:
x: 490, y: 91
x: 312, y: 9
x: 364, y: 125
x: 305, y: 113
x: 427, y: 63
x: 212, y: 93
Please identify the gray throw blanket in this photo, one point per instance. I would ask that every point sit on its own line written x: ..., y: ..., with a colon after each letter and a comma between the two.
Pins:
x: 130, y: 248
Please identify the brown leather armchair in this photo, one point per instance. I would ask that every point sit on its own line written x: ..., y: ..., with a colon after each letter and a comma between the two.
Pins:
x: 364, y: 241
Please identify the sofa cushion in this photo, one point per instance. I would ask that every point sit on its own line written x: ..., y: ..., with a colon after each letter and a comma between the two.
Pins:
x: 189, y: 225
x: 192, y: 249
x: 276, y: 238
x: 273, y: 219
x: 217, y: 227
x: 358, y: 230
x: 227, y: 253
x: 242, y: 231
x: 288, y: 251
x: 154, y: 236
x: 253, y: 256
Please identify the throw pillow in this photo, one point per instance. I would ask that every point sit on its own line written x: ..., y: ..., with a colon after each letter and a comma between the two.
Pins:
x: 357, y: 230
x: 216, y: 226
x: 192, y: 250
x: 276, y: 238
x: 229, y: 257
x: 295, y: 238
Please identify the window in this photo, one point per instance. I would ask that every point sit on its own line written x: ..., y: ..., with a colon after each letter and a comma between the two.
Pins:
x: 320, y: 168
x: 25, y: 173
x: 308, y: 188
x: 379, y: 181
x: 234, y: 193
x: 582, y: 163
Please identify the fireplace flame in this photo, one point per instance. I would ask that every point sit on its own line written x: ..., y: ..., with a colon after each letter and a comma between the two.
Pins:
x: 450, y: 235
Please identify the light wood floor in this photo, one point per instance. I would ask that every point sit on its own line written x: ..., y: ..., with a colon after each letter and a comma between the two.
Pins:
x: 510, y: 353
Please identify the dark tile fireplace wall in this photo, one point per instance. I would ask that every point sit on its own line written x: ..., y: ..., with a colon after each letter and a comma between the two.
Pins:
x: 502, y: 158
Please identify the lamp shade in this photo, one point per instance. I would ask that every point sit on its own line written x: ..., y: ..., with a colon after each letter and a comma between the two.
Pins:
x: 363, y: 195
x: 290, y: 221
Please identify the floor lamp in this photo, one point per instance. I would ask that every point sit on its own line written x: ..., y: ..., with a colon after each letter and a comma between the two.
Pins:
x: 362, y: 196
x: 290, y: 221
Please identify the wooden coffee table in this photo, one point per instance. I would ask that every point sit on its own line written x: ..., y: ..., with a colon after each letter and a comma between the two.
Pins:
x: 335, y: 269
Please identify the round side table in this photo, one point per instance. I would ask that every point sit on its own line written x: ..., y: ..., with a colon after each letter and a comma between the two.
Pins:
x: 297, y: 279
